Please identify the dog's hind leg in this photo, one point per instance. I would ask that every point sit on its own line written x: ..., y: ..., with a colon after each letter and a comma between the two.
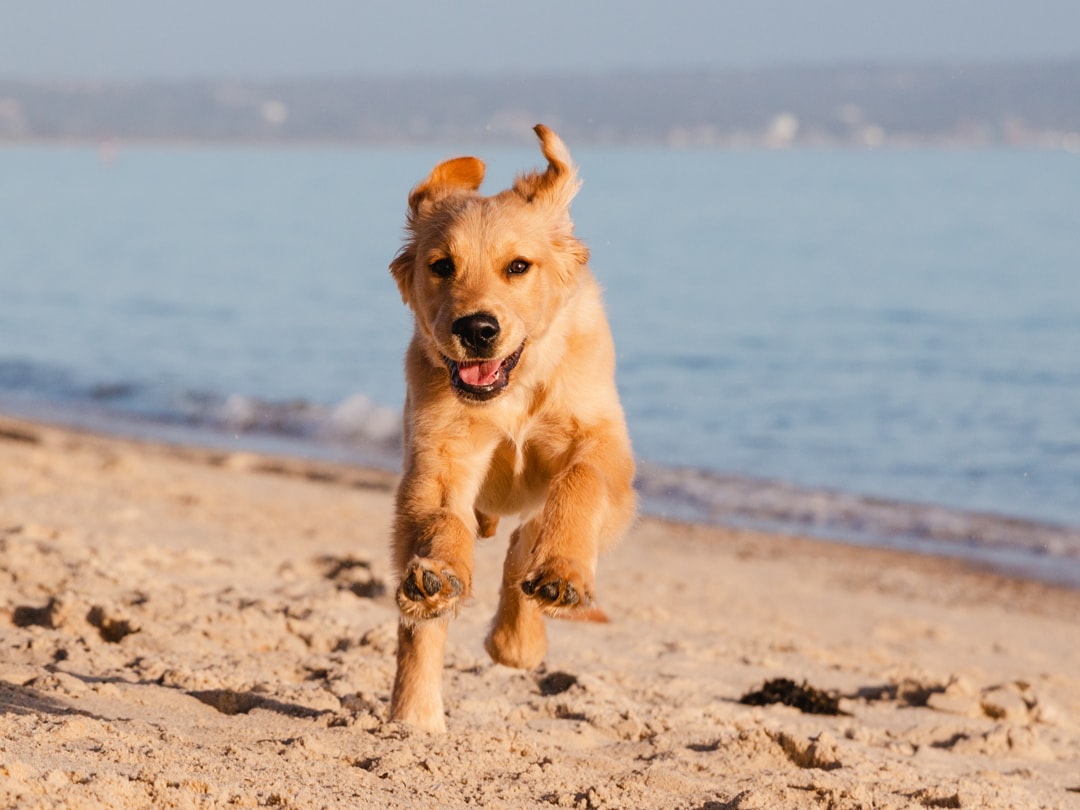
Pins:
x: 518, y: 637
x: 417, y: 695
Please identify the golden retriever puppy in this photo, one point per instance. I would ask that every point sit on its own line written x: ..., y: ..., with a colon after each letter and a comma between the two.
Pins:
x: 511, y: 409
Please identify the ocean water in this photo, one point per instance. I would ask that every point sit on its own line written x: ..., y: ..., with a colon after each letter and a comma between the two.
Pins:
x: 883, y: 346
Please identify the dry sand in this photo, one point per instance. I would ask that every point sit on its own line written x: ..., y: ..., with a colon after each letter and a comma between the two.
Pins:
x: 186, y: 628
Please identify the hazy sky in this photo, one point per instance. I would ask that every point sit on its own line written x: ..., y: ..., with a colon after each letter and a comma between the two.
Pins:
x: 276, y: 38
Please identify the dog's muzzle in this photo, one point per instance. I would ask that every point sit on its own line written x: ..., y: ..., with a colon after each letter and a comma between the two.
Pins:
x: 481, y: 380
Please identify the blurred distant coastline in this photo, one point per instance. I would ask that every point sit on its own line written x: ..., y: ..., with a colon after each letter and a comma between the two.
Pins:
x: 1022, y: 105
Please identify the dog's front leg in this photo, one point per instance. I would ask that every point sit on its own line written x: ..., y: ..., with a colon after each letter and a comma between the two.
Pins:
x: 588, y: 508
x: 417, y: 696
x: 434, y: 533
x: 434, y: 561
x: 435, y: 565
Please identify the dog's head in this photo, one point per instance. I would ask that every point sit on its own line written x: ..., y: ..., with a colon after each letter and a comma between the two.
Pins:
x: 485, y: 276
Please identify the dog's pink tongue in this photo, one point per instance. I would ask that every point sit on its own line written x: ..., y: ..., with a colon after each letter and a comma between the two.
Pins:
x: 479, y: 374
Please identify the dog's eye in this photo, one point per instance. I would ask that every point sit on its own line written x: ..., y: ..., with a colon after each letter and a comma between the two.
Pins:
x: 517, y: 267
x: 443, y: 268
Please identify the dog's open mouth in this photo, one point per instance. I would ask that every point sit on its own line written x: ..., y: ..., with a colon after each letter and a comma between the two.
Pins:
x: 482, y: 379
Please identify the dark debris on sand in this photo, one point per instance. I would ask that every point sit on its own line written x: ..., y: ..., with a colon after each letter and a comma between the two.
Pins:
x: 803, y: 697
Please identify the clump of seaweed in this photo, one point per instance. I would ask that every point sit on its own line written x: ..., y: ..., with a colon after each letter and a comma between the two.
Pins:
x: 803, y: 697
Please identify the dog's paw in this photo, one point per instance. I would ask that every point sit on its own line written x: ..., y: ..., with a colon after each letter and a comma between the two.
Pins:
x: 429, y: 589
x: 559, y: 585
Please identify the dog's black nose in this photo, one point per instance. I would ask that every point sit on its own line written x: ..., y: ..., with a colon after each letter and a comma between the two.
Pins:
x: 478, y: 332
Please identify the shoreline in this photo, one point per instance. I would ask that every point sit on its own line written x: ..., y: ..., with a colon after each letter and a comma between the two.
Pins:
x: 187, y: 627
x: 284, y: 456
x: 1012, y: 545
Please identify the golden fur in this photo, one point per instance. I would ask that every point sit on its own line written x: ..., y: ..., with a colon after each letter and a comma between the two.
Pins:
x: 511, y: 409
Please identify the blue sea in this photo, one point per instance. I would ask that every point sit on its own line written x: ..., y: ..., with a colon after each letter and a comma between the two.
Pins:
x: 882, y: 346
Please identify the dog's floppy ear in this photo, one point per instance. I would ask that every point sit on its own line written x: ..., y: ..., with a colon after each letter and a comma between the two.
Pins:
x: 459, y: 174
x: 558, y: 184
x: 401, y: 268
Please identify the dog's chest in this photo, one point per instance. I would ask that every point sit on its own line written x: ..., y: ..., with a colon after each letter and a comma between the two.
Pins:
x: 521, y: 470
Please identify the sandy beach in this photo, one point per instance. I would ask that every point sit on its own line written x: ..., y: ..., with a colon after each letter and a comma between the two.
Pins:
x: 197, y: 628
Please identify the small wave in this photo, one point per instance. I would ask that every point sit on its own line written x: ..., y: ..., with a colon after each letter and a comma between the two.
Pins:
x: 360, y: 416
x: 356, y: 419
x: 714, y: 497
x: 357, y: 425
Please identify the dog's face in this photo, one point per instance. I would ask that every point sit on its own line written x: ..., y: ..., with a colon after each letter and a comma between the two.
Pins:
x: 485, y: 276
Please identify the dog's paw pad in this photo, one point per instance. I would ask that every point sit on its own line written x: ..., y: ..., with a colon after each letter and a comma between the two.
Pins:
x: 428, y: 590
x: 421, y: 585
x: 557, y: 590
x: 556, y: 593
x: 456, y: 587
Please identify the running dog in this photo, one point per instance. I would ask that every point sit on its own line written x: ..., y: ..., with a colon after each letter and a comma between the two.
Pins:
x: 511, y: 409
